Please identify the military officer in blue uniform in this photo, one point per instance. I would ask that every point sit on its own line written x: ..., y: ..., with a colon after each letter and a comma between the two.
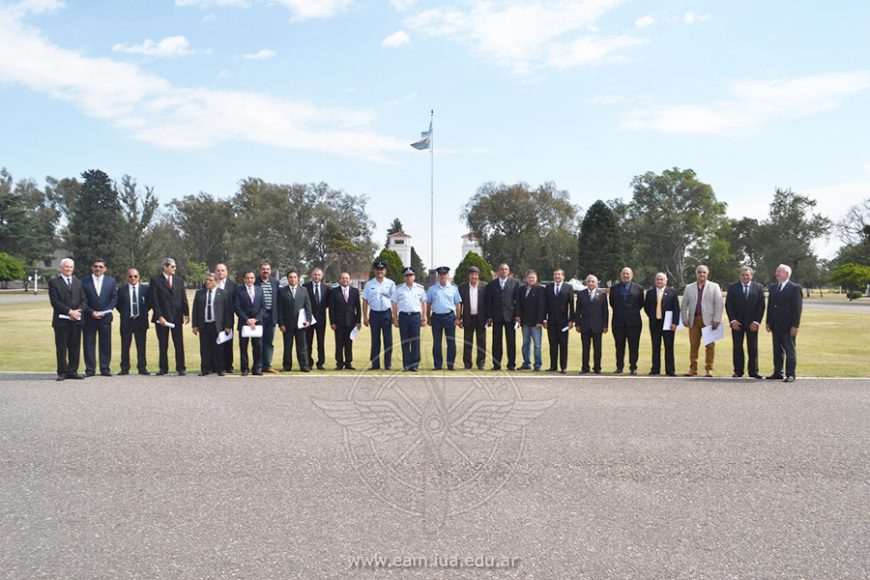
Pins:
x: 442, y: 309
x: 408, y: 316
x: 377, y: 313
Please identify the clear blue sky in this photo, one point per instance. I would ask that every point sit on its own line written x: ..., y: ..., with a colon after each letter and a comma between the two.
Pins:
x: 195, y: 95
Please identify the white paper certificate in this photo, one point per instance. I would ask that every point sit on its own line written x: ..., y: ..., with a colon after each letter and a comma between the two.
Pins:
x: 223, y: 337
x: 256, y: 332
x: 709, y: 335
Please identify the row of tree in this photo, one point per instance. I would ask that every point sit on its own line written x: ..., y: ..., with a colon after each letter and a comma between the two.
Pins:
x: 672, y: 222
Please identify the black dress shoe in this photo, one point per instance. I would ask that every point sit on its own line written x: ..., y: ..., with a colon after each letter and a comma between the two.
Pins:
x: 349, y: 368
x: 788, y: 379
x: 106, y: 373
x: 617, y: 372
x: 320, y: 367
x: 244, y: 373
x: 634, y: 372
x: 203, y: 374
x: 774, y: 377
x: 305, y: 370
x: 61, y: 378
x: 258, y: 373
x: 597, y: 371
x: 182, y: 373
x: 551, y: 370
x: 736, y: 376
x: 671, y: 374
x: 338, y: 367
x: 220, y: 373
x: 75, y: 376
x: 495, y: 368
x: 481, y: 367
x: 563, y: 372
x: 654, y: 373
x: 90, y: 373
x: 145, y: 373
x: 123, y: 373
x: 756, y: 376
x: 161, y: 373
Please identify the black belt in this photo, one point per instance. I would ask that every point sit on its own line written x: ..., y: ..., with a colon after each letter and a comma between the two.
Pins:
x: 410, y: 313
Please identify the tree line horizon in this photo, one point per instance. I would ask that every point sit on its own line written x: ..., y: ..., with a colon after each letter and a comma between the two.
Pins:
x: 672, y: 223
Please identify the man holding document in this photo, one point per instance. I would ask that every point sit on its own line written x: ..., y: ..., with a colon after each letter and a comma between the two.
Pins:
x: 702, y: 313
x: 169, y: 310
x: 294, y: 321
x: 345, y: 315
x: 662, y: 306
x: 67, y: 299
x: 250, y: 310
x: 101, y: 295
x: 212, y: 318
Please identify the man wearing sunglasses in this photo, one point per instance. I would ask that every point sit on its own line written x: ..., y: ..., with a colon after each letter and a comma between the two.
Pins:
x: 101, y: 296
x: 133, y: 311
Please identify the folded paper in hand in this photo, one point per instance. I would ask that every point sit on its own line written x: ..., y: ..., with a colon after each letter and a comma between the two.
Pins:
x: 256, y: 332
x: 303, y: 318
x: 223, y: 337
x: 709, y: 335
x: 353, y: 333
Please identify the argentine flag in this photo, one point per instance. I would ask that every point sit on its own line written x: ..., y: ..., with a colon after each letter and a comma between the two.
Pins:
x: 425, y: 141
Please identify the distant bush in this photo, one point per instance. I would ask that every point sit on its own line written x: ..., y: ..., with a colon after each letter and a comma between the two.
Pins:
x: 855, y: 295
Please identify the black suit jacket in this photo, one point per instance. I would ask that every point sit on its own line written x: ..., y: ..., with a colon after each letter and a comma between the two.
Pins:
x: 670, y: 301
x: 64, y: 298
x: 464, y: 291
x: 319, y: 310
x: 222, y: 309
x: 107, y: 300
x: 745, y: 310
x: 344, y: 314
x: 230, y: 291
x: 531, y: 309
x: 591, y: 316
x: 245, y: 309
x: 501, y: 305
x: 124, y: 307
x: 626, y: 313
x: 784, y: 308
x: 170, y: 303
x: 290, y: 307
x: 560, y: 309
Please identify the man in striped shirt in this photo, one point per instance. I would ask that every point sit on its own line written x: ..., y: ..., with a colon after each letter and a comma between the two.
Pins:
x: 270, y: 320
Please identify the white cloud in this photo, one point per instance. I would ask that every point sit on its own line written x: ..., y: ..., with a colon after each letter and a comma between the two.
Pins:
x: 36, y: 7
x: 168, y: 47
x: 396, y: 39
x: 691, y: 18
x: 150, y: 108
x: 752, y: 105
x: 210, y: 17
x: 210, y: 3
x: 301, y: 9
x: 528, y: 35
x: 402, y: 5
x: 261, y: 54
x: 644, y: 21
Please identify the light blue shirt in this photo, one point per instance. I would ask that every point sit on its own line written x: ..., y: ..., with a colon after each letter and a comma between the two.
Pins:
x: 378, y: 295
x: 443, y: 298
x: 410, y: 299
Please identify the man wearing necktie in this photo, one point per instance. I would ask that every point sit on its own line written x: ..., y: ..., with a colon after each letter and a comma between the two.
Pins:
x: 101, y: 294
x: 744, y: 305
x: 658, y: 302
x: 67, y: 298
x: 591, y: 318
x: 169, y: 305
x: 133, y: 311
x: 211, y: 316
x: 559, y: 316
x: 294, y: 299
x: 345, y: 314
x: 785, y: 304
x: 250, y: 310
x: 319, y: 298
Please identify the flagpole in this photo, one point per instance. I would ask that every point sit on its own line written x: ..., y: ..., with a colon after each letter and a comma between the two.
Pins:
x: 432, y: 192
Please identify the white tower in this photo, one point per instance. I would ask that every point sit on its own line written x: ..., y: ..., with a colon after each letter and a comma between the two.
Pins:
x: 469, y: 244
x: 400, y: 242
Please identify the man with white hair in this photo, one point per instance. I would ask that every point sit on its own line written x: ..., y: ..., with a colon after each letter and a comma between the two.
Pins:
x: 702, y: 306
x: 784, y: 307
x: 67, y: 297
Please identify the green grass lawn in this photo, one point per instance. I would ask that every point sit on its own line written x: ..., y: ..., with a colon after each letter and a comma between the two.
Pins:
x: 830, y: 344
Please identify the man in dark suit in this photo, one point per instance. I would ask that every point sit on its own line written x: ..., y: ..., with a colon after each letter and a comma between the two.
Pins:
x: 501, y: 305
x: 744, y: 304
x: 530, y: 313
x: 473, y: 318
x: 294, y: 299
x: 559, y: 319
x: 272, y: 315
x: 101, y: 295
x: 250, y: 310
x: 169, y: 306
x: 211, y: 316
x: 345, y: 314
x: 228, y: 285
x: 591, y: 321
x: 785, y: 302
x: 318, y: 294
x: 626, y: 300
x: 133, y: 311
x: 659, y: 301
x: 68, y: 304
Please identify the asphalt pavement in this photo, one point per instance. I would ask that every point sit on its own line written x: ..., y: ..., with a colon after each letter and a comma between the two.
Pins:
x: 448, y: 476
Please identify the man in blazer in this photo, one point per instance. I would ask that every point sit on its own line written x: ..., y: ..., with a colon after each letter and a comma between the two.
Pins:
x: 591, y: 317
x: 345, y: 314
x: 212, y: 314
x: 318, y: 294
x: 168, y: 299
x: 133, y: 311
x: 101, y: 295
x: 250, y: 310
x: 530, y: 313
x: 744, y: 305
x: 702, y: 306
x: 228, y: 285
x: 785, y: 304
x: 294, y: 298
x: 271, y: 315
x: 658, y: 302
x: 67, y: 298
x: 501, y: 305
x: 559, y: 316
x: 626, y: 300
x: 473, y: 318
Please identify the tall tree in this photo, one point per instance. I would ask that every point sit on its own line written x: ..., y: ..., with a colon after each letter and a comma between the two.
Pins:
x: 788, y: 233
x: 472, y: 259
x: 522, y: 226
x: 139, y: 211
x: 599, y: 243
x: 669, y: 214
x: 395, y: 226
x: 205, y: 225
x: 394, y: 265
x: 93, y: 230
x: 854, y: 231
x: 418, y: 264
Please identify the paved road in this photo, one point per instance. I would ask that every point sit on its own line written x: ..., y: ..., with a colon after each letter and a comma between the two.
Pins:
x: 255, y: 477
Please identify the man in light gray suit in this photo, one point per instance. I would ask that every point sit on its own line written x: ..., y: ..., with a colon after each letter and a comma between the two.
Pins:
x: 702, y: 306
